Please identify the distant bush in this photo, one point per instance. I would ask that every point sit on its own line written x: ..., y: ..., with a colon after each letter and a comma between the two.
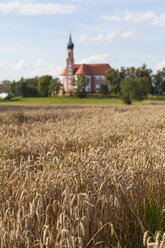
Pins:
x: 134, y: 89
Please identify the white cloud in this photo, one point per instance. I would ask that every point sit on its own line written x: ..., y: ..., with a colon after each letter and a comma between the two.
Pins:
x: 149, y: 16
x: 112, y: 18
x: 36, y: 9
x: 115, y: 36
x: 160, y: 65
x: 83, y: 37
x: 99, y: 37
x: 94, y: 58
x: 36, y: 68
x: 22, y: 64
x: 127, y: 35
x: 110, y: 37
x: 139, y: 17
x: 159, y: 20
x: 40, y: 68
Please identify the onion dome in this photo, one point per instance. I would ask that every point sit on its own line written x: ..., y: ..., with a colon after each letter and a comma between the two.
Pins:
x: 70, y: 43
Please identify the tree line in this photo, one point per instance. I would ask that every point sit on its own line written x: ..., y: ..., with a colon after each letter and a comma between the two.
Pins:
x: 34, y: 87
x: 135, y: 83
x: 130, y: 83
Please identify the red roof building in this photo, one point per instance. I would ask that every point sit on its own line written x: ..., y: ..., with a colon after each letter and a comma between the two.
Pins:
x: 95, y: 73
x: 4, y: 90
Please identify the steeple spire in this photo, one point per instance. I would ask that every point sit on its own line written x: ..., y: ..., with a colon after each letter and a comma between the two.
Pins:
x: 70, y: 43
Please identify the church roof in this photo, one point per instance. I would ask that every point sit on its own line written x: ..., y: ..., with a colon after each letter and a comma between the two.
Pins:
x: 83, y: 69
x: 88, y: 69
x: 65, y: 71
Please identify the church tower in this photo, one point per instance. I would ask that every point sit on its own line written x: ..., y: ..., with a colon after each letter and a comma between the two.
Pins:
x: 70, y: 58
x: 95, y: 73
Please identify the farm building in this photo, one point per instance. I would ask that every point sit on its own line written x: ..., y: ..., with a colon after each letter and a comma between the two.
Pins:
x: 95, y: 73
x: 4, y: 89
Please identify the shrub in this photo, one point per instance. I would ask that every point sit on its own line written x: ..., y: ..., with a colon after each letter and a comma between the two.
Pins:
x: 134, y: 89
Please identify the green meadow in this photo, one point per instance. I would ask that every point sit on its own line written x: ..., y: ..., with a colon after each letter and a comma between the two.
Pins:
x: 95, y: 99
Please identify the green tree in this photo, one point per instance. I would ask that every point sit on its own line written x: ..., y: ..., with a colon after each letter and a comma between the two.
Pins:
x: 20, y: 87
x: 31, y: 87
x: 63, y: 90
x: 12, y: 89
x: 104, y: 89
x: 6, y: 82
x: 145, y: 84
x: 130, y: 72
x: 144, y: 72
x: 24, y: 87
x: 43, y: 85
x: 159, y: 82
x: 133, y: 89
x: 79, y: 83
x: 113, y: 78
x: 122, y: 73
x: 54, y: 86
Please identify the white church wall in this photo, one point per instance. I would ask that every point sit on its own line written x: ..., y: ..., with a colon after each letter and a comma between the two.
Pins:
x: 3, y: 95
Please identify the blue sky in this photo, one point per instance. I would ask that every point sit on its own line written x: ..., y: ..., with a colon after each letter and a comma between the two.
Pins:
x: 34, y: 34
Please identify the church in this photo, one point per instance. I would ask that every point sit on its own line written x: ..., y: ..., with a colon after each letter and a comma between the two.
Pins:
x: 95, y: 73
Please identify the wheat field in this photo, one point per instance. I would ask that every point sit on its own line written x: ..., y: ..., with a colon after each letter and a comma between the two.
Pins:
x: 66, y: 171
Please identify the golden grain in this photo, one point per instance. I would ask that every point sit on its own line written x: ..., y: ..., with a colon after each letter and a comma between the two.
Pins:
x: 66, y: 171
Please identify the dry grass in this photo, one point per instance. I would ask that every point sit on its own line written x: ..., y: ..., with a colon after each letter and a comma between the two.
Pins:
x: 67, y: 171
